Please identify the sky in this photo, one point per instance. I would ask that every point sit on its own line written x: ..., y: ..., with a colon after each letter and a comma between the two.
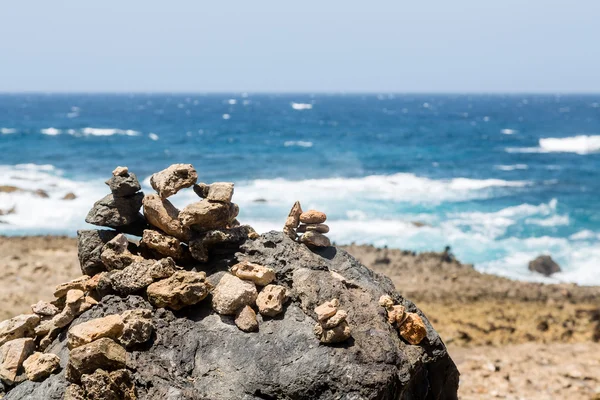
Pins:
x: 304, y: 46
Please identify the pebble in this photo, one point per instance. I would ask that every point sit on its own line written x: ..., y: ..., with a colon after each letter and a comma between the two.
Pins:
x: 313, y: 217
x: 321, y: 228
x: 18, y: 327
x: 292, y: 221
x: 413, y: 329
x: 232, y: 294
x: 270, y: 300
x: 256, y: 273
x: 314, y: 238
x: 246, y: 320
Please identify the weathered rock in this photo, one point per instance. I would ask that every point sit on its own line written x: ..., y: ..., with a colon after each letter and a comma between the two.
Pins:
x: 413, y: 329
x: 201, y: 189
x: 220, y: 191
x: 205, y: 215
x: 69, y: 196
x: 123, y: 184
x: 139, y: 275
x: 110, y: 326
x: 166, y: 246
x: 314, y: 238
x: 321, y: 228
x: 327, y: 310
x: 138, y: 327
x: 313, y: 217
x: 232, y: 294
x: 270, y: 300
x: 338, y: 334
x: 201, y: 244
x: 101, y: 354
x: 545, y: 265
x: 172, y: 179
x: 45, y: 309
x: 39, y: 366
x: 116, y: 254
x: 165, y: 216
x: 256, y: 273
x: 102, y: 385
x: 75, y: 392
x: 89, y: 248
x: 18, y: 327
x: 120, y: 171
x: 246, y: 319
x: 386, y: 301
x: 41, y: 193
x: 331, y: 322
x: 12, y: 355
x: 396, y: 314
x: 75, y: 284
x: 181, y: 289
x: 292, y: 221
x: 116, y: 212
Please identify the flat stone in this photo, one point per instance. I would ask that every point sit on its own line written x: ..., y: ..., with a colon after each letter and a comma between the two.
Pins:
x: 12, y: 355
x: 140, y: 275
x: 201, y: 244
x: 77, y: 283
x: 116, y: 212
x: 256, y: 273
x: 231, y: 294
x: 18, y: 327
x: 205, y: 215
x: 172, y: 179
x: 164, y: 216
x: 116, y: 254
x: 339, y: 334
x: 292, y: 221
x: 124, y: 184
x: 110, y: 326
x: 220, y: 191
x: 333, y: 321
x: 166, y: 246
x: 270, y: 300
x: 44, y: 309
x: 246, y: 320
x: 313, y: 217
x: 321, y: 228
x: 183, y: 288
x: 138, y: 327
x: 314, y: 238
x: 327, y: 309
x: 413, y: 329
x: 103, y: 385
x: 103, y: 354
x: 90, y: 243
x: 39, y: 366
x: 120, y: 171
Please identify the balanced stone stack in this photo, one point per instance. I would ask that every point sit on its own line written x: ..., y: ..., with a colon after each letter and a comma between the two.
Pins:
x: 310, y: 224
x: 331, y: 326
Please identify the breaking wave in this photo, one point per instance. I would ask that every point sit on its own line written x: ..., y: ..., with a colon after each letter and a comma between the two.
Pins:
x: 298, y: 143
x: 581, y: 144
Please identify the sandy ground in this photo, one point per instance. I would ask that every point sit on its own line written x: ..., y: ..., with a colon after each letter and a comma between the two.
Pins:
x: 510, y: 339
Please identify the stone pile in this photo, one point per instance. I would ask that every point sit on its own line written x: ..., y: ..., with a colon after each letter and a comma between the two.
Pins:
x: 310, y: 224
x: 410, y: 325
x: 331, y: 326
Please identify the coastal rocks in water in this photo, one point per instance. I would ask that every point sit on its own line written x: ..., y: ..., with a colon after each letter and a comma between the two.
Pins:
x: 183, y: 288
x: 201, y: 244
x: 123, y: 184
x: 110, y: 326
x: 232, y: 293
x: 205, y: 215
x: 218, y: 191
x: 172, y: 179
x: 314, y: 238
x: 137, y: 328
x: 103, y: 354
x: 545, y: 265
x: 165, y: 216
x: 89, y: 249
x: 256, y: 273
x: 117, y: 212
x: 39, y: 366
x: 103, y: 385
x: 163, y: 245
x: 69, y: 196
x: 18, y: 327
x: 44, y: 309
x: 270, y: 300
x: 246, y: 320
x: 116, y: 254
x: 12, y: 355
x: 292, y: 221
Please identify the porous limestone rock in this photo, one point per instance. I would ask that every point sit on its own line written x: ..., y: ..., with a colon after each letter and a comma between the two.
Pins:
x: 166, y: 246
x: 12, y: 355
x: 18, y: 327
x: 116, y: 212
x: 110, y: 326
x: 90, y: 243
x: 39, y: 366
x: 220, y: 191
x: 314, y: 238
x: 270, y: 300
x: 201, y: 244
x: 165, y: 216
x: 396, y: 314
x: 123, y: 184
x: 75, y: 392
x: 120, y: 171
x: 103, y: 385
x: 292, y: 221
x: 333, y: 321
x: 232, y: 293
x: 256, y: 273
x: 172, y: 179
x: 337, y: 334
x: 205, y: 215
x: 327, y: 309
x: 44, y: 309
x: 386, y: 301
x: 103, y: 353
x: 138, y: 275
x: 183, y: 288
x: 321, y: 228
x: 116, y: 254
x: 313, y: 217
x: 138, y: 327
x: 246, y: 319
x: 413, y: 328
x: 75, y: 284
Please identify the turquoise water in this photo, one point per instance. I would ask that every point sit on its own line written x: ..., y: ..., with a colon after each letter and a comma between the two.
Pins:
x: 500, y: 179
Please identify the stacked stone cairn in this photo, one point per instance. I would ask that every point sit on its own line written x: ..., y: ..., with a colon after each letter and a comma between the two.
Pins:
x: 410, y: 325
x: 310, y: 224
x: 331, y: 326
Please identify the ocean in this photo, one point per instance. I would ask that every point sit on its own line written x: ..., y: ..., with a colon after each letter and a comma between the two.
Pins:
x: 499, y: 178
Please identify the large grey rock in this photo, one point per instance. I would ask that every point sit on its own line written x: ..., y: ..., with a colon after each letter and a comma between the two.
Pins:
x: 124, y: 185
x: 89, y: 248
x: 122, y: 213
x: 198, y: 354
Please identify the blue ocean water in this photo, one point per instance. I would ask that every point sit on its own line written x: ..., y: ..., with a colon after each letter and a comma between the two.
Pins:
x: 499, y: 178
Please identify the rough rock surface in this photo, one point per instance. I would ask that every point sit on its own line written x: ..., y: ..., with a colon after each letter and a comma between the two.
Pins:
x: 123, y: 184
x: 40, y: 365
x: 181, y: 289
x: 172, y: 179
x: 205, y: 215
x: 270, y: 300
x: 18, y: 327
x: 12, y: 355
x: 162, y: 214
x: 198, y: 354
x: 116, y: 212
x: 89, y: 249
x: 246, y: 320
x: 545, y: 265
x: 232, y: 294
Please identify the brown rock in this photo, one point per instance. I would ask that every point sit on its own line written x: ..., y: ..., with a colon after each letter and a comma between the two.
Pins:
x: 18, y: 327
x: 201, y: 189
x: 116, y: 254
x: 270, y: 300
x: 321, y: 228
x: 545, y: 265
x: 103, y: 353
x: 77, y: 283
x: 12, y: 355
x: 41, y: 193
x: 334, y: 335
x: 232, y: 294
x: 74, y: 392
x: 165, y: 216
x: 256, y: 273
x: 413, y: 329
x: 292, y: 221
x: 120, y: 171
x: 386, y: 301
x: 205, y: 215
x: 172, y: 179
x: 102, y: 385
x: 181, y: 289
x: 164, y: 245
x: 313, y: 217
x: 44, y: 309
x: 396, y: 314
x: 331, y: 322
x: 138, y: 327
x: 327, y: 309
x: 110, y: 326
x: 314, y: 238
x: 246, y: 320
x: 39, y: 366
x: 220, y: 191
x: 69, y: 196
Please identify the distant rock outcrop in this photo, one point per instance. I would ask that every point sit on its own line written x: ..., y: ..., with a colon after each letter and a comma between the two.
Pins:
x: 545, y: 265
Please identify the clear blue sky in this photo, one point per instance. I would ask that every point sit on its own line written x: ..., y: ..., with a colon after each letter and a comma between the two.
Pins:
x: 314, y: 46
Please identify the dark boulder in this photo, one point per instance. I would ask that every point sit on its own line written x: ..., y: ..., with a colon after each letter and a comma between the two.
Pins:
x: 545, y: 265
x: 89, y: 248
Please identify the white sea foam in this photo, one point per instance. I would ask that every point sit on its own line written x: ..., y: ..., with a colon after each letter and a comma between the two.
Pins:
x: 301, y: 106
x: 508, y: 131
x: 50, y: 131
x: 226, y: 116
x: 89, y: 131
x: 7, y: 131
x: 298, y: 143
x: 581, y: 144
x: 153, y: 136
x: 511, y: 167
